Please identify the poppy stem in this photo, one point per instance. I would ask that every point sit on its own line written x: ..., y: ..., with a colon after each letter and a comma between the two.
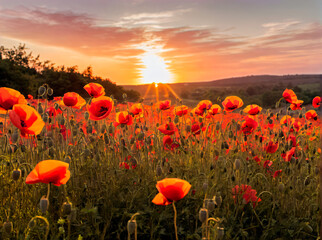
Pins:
x: 175, y: 220
x: 48, y: 191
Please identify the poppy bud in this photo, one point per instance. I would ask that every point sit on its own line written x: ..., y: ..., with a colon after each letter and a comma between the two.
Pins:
x: 281, y: 187
x: 203, y: 215
x: 8, y: 227
x: 14, y: 137
x: 67, y: 208
x: 176, y: 119
x: 140, y: 136
x: 159, y: 171
x: 218, y: 199
x: 131, y: 226
x: 62, y: 121
x: 270, y: 121
x: 45, y: 117
x: 86, y: 115
x: 132, y: 140
x: 205, y: 186
x: 50, y: 91
x: 67, y: 159
x: 220, y: 232
x: 200, y: 119
x: 111, y: 129
x: 43, y: 204
x: 41, y: 90
x: 16, y: 174
x: 188, y: 128
x: 210, y: 205
x: 237, y: 164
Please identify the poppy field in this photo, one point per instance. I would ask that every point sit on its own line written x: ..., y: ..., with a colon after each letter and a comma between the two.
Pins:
x: 75, y: 168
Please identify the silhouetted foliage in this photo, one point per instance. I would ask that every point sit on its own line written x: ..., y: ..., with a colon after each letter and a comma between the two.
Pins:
x: 22, y: 71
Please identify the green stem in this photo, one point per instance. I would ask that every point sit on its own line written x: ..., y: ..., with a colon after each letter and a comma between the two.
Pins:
x: 175, y: 221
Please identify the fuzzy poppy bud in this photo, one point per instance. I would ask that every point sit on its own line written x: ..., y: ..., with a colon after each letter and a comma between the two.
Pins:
x: 140, y: 136
x: 203, y: 215
x: 56, y: 106
x: 218, y: 199
x: 8, y: 227
x: 14, y: 137
x: 86, y: 115
x: 43, y: 204
x: 132, y: 140
x: 200, y: 119
x: 176, y: 119
x: 67, y: 208
x: 210, y: 205
x: 220, y: 233
x: 205, y: 186
x: 281, y: 187
x: 131, y: 226
x: 16, y: 174
x: 41, y: 90
x: 40, y: 109
x: 45, y: 117
x: 188, y: 128
x: 62, y: 121
x: 237, y: 164
x: 50, y: 91
x: 159, y: 171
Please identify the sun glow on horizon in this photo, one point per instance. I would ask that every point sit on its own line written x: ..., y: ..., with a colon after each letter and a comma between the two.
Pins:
x: 153, y: 67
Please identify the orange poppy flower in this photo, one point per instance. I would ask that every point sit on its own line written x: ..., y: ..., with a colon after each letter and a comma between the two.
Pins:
x: 8, y: 98
x: 204, y: 104
x: 311, y: 115
x: 100, y: 108
x: 27, y: 119
x: 164, y: 105
x: 181, y: 110
x: 296, y: 105
x: 214, y: 109
x: 249, y: 126
x: 49, y: 171
x: 136, y: 109
x: 316, y: 102
x: 171, y: 189
x: 94, y: 89
x: 231, y: 103
x: 123, y: 118
x: 252, y: 109
x: 287, y: 119
x: 197, y: 112
x: 72, y: 99
x: 167, y: 128
x: 289, y: 96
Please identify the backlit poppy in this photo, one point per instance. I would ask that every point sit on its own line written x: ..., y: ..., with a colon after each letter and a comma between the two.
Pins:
x: 52, y: 112
x: 296, y: 105
x: 231, y: 103
x: 171, y: 189
x: 289, y: 96
x: 94, y: 89
x: 204, y: 105
x: 271, y: 147
x: 181, y: 110
x: 167, y: 128
x: 287, y: 119
x: 164, y: 105
x: 72, y: 99
x: 252, y: 109
x: 8, y: 98
x: 316, y: 102
x: 249, y: 125
x: 248, y: 194
x: 215, y: 109
x: 136, y: 109
x: 27, y: 119
x: 123, y: 118
x: 100, y: 108
x: 197, y: 111
x: 311, y: 115
x: 49, y: 171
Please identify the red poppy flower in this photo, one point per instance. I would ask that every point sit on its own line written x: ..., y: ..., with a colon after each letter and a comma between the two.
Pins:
x: 271, y: 147
x: 311, y: 115
x: 171, y: 189
x: 167, y: 128
x: 296, y: 105
x: 100, y: 108
x: 136, y: 109
x: 95, y: 90
x: 248, y: 194
x: 168, y: 143
x: 72, y: 99
x: 215, y: 109
x: 195, y: 128
x: 123, y: 118
x: 249, y: 126
x: 253, y: 109
x: 164, y: 105
x: 49, y: 171
x: 30, y: 97
x: 27, y: 119
x: 52, y: 112
x: 8, y: 98
x: 231, y: 103
x: 197, y: 111
x: 286, y: 120
x: 287, y: 157
x: 204, y: 105
x: 289, y: 96
x: 277, y: 173
x: 181, y: 110
x: 316, y: 102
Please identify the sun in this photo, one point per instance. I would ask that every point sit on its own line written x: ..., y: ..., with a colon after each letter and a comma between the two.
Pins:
x: 153, y: 67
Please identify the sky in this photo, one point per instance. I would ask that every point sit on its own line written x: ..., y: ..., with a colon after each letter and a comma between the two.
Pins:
x: 144, y: 41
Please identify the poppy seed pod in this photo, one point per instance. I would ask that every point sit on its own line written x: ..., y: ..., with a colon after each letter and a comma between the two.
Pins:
x: 43, y: 204
x: 16, y: 174
x: 210, y: 205
x: 50, y: 91
x: 131, y: 226
x: 41, y: 90
x: 8, y: 227
x: 67, y: 208
x: 203, y: 215
x: 237, y: 164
